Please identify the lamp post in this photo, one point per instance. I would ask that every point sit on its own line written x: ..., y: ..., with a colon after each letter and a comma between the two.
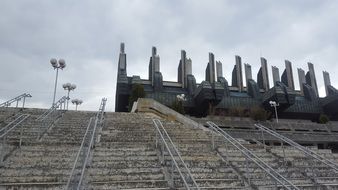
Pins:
x: 68, y: 87
x: 77, y: 102
x: 61, y: 64
x: 274, y: 104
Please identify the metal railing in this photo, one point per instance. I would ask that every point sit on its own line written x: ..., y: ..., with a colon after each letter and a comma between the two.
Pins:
x: 58, y: 104
x: 4, y: 132
x: 81, y: 160
x: 252, y: 157
x: 299, y: 147
x: 16, y: 99
x: 49, y: 117
x: 165, y: 144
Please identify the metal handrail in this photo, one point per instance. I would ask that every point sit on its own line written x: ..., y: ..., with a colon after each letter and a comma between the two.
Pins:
x: 101, y: 109
x: 254, y: 158
x: 6, y: 130
x: 158, y: 126
x: 52, y: 109
x: 76, y: 177
x: 299, y: 147
x: 50, y: 116
x: 17, y: 99
x: 72, y: 173
x: 88, y: 153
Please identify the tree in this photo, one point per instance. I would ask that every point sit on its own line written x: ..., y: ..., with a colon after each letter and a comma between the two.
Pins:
x: 323, y: 119
x: 136, y: 93
x: 259, y: 114
x: 177, y: 105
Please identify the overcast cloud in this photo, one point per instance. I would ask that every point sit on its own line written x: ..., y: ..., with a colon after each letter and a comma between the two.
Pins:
x: 87, y: 35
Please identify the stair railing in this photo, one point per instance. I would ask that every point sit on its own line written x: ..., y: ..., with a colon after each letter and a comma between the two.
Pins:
x: 299, y: 147
x: 278, y: 178
x: 165, y: 144
x: 5, y: 131
x: 16, y: 99
x: 49, y: 117
x: 81, y: 161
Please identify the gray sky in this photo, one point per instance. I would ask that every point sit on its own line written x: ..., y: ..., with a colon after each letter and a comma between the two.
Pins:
x: 87, y: 35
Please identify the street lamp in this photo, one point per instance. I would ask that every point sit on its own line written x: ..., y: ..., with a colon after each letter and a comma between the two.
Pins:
x: 77, y: 102
x: 68, y: 87
x: 61, y: 64
x: 274, y: 104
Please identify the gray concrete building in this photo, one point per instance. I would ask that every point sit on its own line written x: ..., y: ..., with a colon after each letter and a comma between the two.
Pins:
x: 302, y: 80
x: 219, y: 69
x: 184, y: 69
x: 210, y: 70
x: 275, y: 75
x: 222, y: 97
x: 327, y: 81
x: 262, y: 76
x: 237, y: 77
x: 287, y: 76
x: 311, y: 78
x: 154, y: 64
x: 248, y: 72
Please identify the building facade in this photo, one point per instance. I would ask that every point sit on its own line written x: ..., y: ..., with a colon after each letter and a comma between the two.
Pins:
x: 214, y: 94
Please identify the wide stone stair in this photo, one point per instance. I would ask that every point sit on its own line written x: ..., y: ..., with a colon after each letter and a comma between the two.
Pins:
x: 209, y: 169
x: 43, y: 163
x: 125, y: 156
x: 320, y: 174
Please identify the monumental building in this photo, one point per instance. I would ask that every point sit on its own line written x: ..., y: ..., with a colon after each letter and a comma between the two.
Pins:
x: 217, y: 94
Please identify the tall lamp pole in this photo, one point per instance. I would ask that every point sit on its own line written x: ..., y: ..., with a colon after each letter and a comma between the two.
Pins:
x: 68, y: 87
x: 76, y: 102
x: 61, y: 64
x: 275, y: 104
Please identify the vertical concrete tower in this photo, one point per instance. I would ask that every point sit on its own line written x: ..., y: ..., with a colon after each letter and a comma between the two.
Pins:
x: 210, y: 70
x: 184, y: 69
x: 237, y: 78
x: 122, y: 65
x: 154, y: 64
x: 219, y: 70
x: 302, y: 80
x: 275, y: 75
x: 287, y: 76
x: 122, y: 89
x: 248, y: 72
x: 327, y: 81
x: 311, y: 78
x: 262, y: 76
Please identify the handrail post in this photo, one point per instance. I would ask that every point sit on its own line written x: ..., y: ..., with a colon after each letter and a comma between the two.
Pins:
x: 263, y: 139
x: 3, y: 151
x: 172, y: 172
x: 213, y: 140
x: 247, y: 170
x: 23, y: 102
x: 156, y: 141
x: 284, y: 157
x: 21, y: 131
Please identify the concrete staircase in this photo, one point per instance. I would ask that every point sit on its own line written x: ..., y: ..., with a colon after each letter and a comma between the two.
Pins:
x: 44, y: 163
x: 208, y: 168
x: 319, y: 174
x: 126, y: 157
